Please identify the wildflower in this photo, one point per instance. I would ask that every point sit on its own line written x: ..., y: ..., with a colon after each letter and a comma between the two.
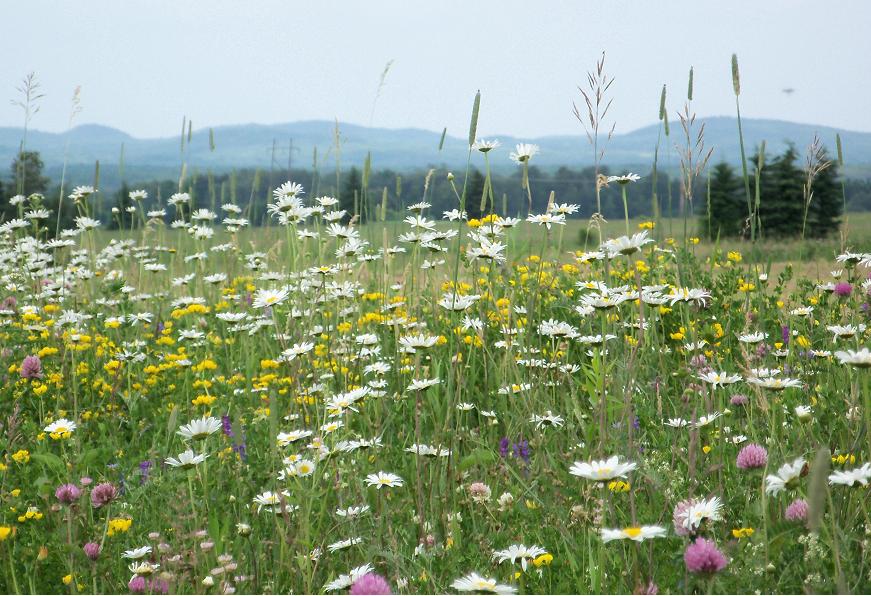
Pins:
x: 92, y: 550
x: 843, y: 289
x: 637, y: 534
x: 186, y: 460
x: 797, y: 511
x: 136, y: 553
x: 786, y: 476
x: 752, y: 456
x: 719, y: 378
x: 624, y: 179
x: 699, y: 511
x: 267, y: 298
x: 481, y: 585
x: 602, y: 470
x: 384, y: 479
x: 60, y: 429
x: 625, y: 245
x: 103, y: 494
x: 703, y: 556
x: 523, y: 152
x: 31, y: 368
x: 68, y: 493
x: 479, y: 492
x: 852, y: 477
x: 371, y: 583
x: 483, y: 146
x: 857, y: 358
x: 518, y: 551
x: 199, y: 429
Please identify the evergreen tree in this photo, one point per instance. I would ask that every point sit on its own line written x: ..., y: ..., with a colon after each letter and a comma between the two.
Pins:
x: 827, y: 204
x: 473, y: 194
x: 781, y: 208
x: 27, y: 175
x: 351, y: 193
x: 728, y: 208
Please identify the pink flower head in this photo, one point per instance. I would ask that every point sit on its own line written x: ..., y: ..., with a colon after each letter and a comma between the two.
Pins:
x: 137, y: 584
x: 797, y: 511
x: 31, y: 368
x: 92, y: 550
x: 739, y: 399
x: 371, y: 583
x: 68, y: 493
x: 843, y: 289
x: 103, y: 494
x: 703, y: 556
x: 752, y: 456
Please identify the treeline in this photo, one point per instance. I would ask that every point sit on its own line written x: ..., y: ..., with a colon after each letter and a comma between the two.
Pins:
x: 792, y: 202
x: 364, y: 193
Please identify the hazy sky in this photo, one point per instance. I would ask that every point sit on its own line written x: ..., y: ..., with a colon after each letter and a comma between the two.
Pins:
x: 144, y: 65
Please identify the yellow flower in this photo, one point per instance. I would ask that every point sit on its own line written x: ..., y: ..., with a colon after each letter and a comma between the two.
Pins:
x: 734, y: 256
x: 742, y: 532
x: 118, y: 525
x: 22, y: 456
x: 618, y: 486
x: 67, y: 579
x: 545, y: 559
x: 5, y: 532
x: 706, y: 449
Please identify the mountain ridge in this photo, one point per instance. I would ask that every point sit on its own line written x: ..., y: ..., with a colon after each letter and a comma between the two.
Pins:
x: 250, y: 145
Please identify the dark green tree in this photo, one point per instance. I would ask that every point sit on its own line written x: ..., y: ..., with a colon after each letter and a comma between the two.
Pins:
x: 473, y: 194
x: 351, y: 193
x: 781, y: 208
x: 27, y: 175
x: 827, y: 204
x: 728, y: 208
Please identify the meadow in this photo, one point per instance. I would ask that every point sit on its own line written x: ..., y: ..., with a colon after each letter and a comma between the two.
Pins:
x: 433, y: 404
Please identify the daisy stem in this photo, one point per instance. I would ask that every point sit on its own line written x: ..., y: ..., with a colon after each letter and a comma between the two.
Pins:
x: 625, y: 208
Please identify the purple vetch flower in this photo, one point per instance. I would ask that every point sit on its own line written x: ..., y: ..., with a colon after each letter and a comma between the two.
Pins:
x: 227, y: 425
x: 31, y: 368
x: 371, y: 583
x: 504, y: 444
x: 92, y: 550
x: 521, y: 450
x: 68, y: 493
x: 752, y: 456
x: 784, y: 334
x: 703, y: 556
x: 843, y: 289
x: 103, y: 494
x: 144, y: 469
x: 649, y: 588
x: 797, y: 511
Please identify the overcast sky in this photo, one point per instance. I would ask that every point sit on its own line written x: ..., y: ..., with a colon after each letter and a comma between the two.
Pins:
x: 144, y: 65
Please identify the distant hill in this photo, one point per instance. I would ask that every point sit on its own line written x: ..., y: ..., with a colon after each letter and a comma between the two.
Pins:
x: 251, y: 145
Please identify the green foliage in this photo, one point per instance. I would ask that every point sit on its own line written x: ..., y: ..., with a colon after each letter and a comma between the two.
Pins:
x: 782, y: 203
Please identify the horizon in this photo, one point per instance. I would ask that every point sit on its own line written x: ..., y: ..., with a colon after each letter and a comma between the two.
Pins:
x: 495, y: 136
